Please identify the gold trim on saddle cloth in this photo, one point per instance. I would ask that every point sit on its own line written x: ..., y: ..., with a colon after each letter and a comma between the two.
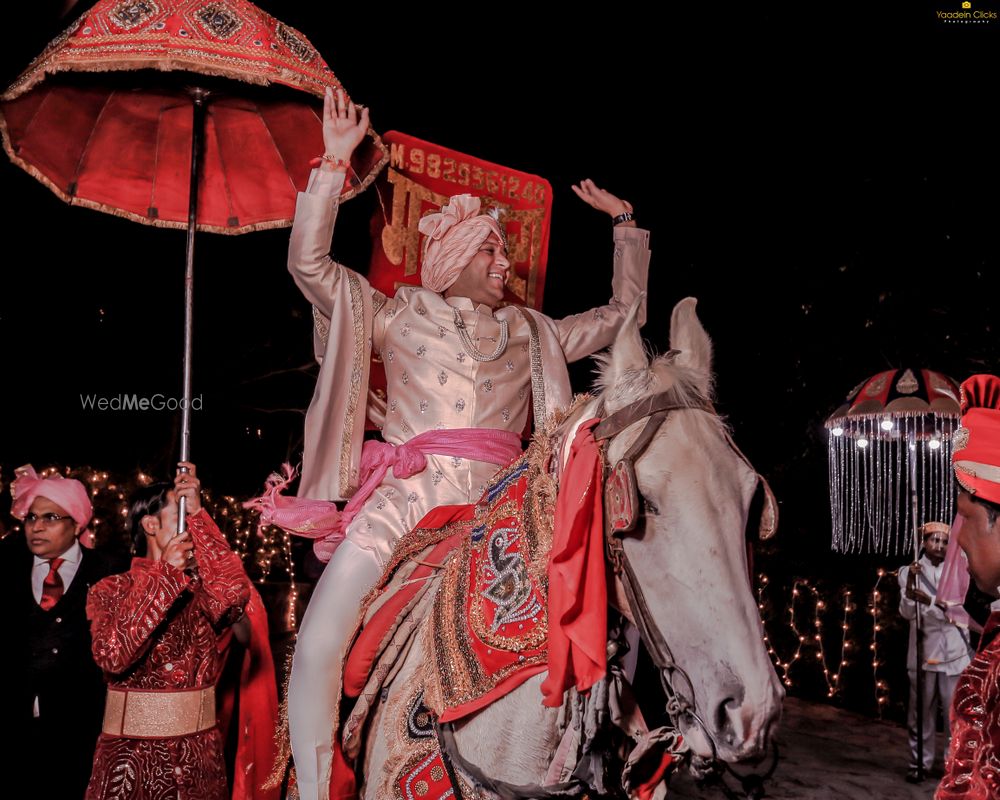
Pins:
x: 141, y: 714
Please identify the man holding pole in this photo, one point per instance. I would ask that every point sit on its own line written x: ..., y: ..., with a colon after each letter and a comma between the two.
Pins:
x: 945, y: 649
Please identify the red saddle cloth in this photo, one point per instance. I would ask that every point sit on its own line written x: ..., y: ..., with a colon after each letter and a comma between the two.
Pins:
x: 491, y: 607
x: 489, y: 620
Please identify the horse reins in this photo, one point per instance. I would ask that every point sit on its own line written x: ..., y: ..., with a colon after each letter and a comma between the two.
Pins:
x: 655, y: 409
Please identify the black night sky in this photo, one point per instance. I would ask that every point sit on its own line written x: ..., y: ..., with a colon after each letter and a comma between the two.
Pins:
x: 825, y: 185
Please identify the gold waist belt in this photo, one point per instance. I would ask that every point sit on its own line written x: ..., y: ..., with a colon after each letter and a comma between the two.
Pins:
x: 140, y: 714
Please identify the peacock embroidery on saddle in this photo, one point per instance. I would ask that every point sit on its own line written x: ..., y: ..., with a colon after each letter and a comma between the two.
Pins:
x: 486, y: 621
x: 488, y: 627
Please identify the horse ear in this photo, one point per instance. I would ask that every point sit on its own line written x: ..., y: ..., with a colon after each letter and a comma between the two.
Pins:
x: 689, y: 337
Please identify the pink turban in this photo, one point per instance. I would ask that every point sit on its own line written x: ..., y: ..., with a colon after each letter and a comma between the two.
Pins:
x: 454, y: 234
x: 68, y: 493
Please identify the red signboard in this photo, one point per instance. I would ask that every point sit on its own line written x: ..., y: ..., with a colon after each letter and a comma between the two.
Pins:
x: 419, y: 179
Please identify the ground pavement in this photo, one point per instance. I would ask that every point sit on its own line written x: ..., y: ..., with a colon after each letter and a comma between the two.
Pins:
x: 831, y: 754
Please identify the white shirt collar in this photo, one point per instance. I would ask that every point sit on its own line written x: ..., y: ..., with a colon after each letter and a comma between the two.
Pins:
x: 465, y: 304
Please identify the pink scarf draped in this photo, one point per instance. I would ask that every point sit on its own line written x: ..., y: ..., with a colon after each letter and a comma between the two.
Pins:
x: 321, y: 521
x: 954, y: 582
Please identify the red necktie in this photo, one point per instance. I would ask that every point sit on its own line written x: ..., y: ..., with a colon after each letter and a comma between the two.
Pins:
x: 52, y: 586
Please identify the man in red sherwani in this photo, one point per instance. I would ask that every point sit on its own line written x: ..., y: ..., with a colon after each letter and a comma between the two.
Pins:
x: 156, y: 633
x: 973, y: 768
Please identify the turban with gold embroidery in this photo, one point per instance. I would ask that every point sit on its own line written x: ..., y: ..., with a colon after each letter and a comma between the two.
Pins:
x: 976, y: 445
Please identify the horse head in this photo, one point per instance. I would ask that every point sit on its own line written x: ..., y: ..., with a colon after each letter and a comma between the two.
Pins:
x: 687, y: 557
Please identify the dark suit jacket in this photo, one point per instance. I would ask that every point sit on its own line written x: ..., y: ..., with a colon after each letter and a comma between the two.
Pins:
x: 47, y: 655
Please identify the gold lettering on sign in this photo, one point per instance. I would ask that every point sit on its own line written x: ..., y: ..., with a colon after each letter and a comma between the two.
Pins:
x: 492, y: 183
x: 512, y: 183
x: 525, y: 238
x: 449, y: 170
x: 416, y: 161
x: 401, y: 238
x: 524, y: 247
x: 397, y: 155
x: 433, y: 165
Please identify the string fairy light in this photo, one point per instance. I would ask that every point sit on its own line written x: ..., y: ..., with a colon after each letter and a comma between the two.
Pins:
x: 815, y: 639
x: 881, y: 686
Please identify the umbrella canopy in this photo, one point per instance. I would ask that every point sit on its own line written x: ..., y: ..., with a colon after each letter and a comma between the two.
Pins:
x: 890, y: 459
x: 120, y: 142
x: 898, y: 393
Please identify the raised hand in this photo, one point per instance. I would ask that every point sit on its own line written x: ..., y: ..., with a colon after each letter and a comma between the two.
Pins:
x: 601, y: 199
x: 343, y: 127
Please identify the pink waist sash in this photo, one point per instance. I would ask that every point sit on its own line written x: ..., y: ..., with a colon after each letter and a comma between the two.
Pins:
x: 320, y: 520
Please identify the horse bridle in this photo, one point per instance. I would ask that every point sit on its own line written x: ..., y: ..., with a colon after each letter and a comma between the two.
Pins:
x: 622, y: 505
x: 622, y: 511
x: 654, y: 409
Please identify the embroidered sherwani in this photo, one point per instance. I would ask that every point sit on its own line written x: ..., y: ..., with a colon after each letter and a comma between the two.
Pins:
x: 434, y: 383
x: 972, y: 771
x: 157, y: 628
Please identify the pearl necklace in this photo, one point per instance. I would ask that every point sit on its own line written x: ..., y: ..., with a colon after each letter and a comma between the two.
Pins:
x: 469, y: 346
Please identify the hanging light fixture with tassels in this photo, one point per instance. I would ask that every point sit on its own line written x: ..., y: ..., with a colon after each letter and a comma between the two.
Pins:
x: 890, y: 453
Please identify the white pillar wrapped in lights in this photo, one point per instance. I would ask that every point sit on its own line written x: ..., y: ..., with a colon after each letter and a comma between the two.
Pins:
x: 890, y: 460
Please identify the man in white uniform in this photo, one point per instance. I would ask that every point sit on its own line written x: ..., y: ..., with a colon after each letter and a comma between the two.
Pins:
x: 945, y: 645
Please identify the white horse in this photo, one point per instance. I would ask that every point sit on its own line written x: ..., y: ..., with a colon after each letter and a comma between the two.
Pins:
x: 688, y: 562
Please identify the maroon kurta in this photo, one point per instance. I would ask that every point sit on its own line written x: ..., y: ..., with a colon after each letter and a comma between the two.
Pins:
x: 973, y: 768
x: 156, y: 627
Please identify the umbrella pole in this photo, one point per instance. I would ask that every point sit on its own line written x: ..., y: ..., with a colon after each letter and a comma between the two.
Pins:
x: 198, y: 98
x: 918, y: 653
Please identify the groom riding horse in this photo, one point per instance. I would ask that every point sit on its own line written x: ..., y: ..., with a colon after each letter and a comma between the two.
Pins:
x: 489, y: 612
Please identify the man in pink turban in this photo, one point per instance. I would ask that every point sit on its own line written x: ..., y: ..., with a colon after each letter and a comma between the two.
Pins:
x: 462, y: 375
x: 53, y: 693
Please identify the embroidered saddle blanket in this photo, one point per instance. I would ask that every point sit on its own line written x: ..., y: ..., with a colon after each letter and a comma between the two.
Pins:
x: 488, y: 618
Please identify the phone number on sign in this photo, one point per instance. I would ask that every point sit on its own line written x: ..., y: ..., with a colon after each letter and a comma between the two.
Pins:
x: 416, y: 161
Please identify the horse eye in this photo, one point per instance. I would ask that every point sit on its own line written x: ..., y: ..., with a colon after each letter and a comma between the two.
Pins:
x: 650, y: 506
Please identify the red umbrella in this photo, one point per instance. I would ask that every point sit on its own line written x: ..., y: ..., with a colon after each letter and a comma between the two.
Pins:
x: 91, y: 121
x: 196, y: 114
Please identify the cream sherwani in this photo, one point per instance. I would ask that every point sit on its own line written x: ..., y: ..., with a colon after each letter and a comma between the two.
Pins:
x: 434, y: 383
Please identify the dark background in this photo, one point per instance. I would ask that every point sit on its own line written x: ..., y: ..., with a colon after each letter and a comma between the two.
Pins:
x: 823, y: 180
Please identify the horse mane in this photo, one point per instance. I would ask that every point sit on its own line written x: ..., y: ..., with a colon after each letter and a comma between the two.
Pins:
x: 661, y: 373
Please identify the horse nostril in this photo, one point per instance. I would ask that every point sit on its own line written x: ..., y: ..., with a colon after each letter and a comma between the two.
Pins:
x: 726, y: 713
